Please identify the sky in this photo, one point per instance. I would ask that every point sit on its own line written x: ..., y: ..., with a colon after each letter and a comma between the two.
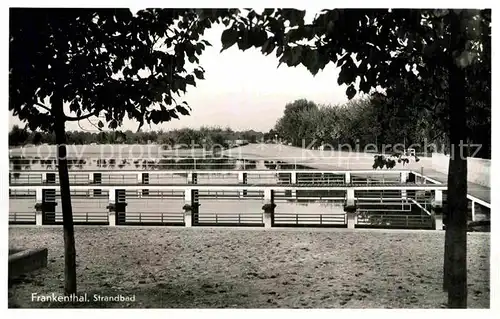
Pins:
x: 243, y: 90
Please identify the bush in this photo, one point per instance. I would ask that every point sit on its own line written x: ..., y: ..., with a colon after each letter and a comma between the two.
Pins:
x: 268, y: 207
x: 350, y: 208
x: 189, y: 208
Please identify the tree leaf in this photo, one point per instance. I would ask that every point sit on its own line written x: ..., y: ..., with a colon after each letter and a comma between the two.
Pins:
x: 74, y: 106
x: 258, y: 37
x: 182, y: 110
x: 296, y: 55
x: 190, y: 80
x: 296, y: 17
x: 364, y: 86
x: 268, y: 12
x: 244, y: 42
x: 113, y: 124
x: 351, y: 92
x: 199, y: 74
x: 311, y: 61
x: 279, y: 51
x: 228, y: 38
x: 155, y: 116
x: 329, y: 26
x: 173, y: 114
x: 268, y: 46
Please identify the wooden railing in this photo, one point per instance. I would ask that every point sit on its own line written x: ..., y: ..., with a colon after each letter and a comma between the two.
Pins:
x: 395, y: 221
x: 309, y: 219
x: 25, y: 217
x: 228, y: 219
x: 151, y: 218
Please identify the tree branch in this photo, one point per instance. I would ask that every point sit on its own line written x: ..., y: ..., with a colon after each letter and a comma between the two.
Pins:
x: 439, y: 135
x: 99, y: 129
x: 83, y: 117
x: 43, y: 107
x: 83, y: 128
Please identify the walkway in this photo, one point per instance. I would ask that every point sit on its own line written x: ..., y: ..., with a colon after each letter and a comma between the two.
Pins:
x: 478, y: 191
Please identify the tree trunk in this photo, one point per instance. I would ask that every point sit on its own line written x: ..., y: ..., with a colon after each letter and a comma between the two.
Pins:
x: 69, y: 233
x: 455, y: 257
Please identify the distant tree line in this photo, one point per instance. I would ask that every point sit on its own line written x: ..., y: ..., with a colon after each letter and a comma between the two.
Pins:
x: 357, y: 123
x: 371, y: 121
x: 206, y: 136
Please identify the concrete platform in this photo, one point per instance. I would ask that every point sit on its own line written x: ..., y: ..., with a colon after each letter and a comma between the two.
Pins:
x: 22, y: 261
x: 340, y: 160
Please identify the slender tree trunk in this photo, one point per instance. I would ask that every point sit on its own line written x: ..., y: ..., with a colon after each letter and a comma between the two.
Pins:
x: 447, y: 243
x: 69, y: 233
x: 455, y: 259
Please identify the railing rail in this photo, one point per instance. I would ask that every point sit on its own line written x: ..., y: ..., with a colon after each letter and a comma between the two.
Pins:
x: 136, y: 217
x: 22, y: 217
x: 227, y: 218
x: 395, y: 220
x: 84, y: 217
x: 309, y: 218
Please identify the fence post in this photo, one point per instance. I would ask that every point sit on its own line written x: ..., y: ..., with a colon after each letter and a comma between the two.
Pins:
x: 97, y: 179
x: 90, y: 182
x: 112, y: 203
x: 49, y: 203
x: 350, y: 197
x: 39, y: 210
x: 293, y: 181
x: 351, y: 220
x: 473, y: 207
x: 404, y: 178
x: 350, y: 208
x: 268, y: 207
x: 348, y: 177
x: 121, y: 205
x: 188, y: 208
x: 437, y: 209
x: 144, y: 181
x: 242, y: 179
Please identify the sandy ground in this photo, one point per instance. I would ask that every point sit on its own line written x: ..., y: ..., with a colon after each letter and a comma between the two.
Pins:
x: 250, y: 268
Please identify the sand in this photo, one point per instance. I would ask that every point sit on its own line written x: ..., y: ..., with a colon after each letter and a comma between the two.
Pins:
x: 251, y: 268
